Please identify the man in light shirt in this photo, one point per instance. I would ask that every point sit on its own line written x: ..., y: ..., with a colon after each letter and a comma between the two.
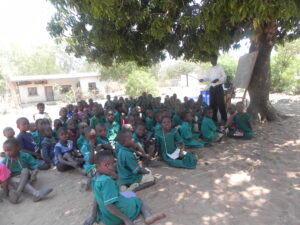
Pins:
x: 216, y: 76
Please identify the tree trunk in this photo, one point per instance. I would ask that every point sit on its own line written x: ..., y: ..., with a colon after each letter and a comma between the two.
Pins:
x: 259, y: 87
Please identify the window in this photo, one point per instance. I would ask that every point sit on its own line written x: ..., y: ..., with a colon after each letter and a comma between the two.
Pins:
x: 92, y: 86
x: 32, y: 91
x: 65, y: 88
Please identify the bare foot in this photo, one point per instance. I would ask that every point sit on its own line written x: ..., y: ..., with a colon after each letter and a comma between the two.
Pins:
x: 152, y: 219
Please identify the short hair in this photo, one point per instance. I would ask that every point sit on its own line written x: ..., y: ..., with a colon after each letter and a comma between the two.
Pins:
x: 46, y: 127
x: 12, y: 141
x: 87, y: 130
x: 19, y: 120
x: 214, y: 56
x: 62, y: 130
x: 40, y: 104
x: 81, y: 124
x: 103, y: 156
x: 7, y: 129
x: 37, y: 121
x: 122, y: 135
x: 57, y: 121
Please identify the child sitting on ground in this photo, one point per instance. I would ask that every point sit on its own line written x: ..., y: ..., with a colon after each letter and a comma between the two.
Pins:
x: 63, y: 112
x: 72, y: 131
x: 229, y: 123
x: 81, y: 138
x: 190, y: 139
x: 9, y: 132
x: 170, y: 146
x: 23, y: 169
x: 101, y: 137
x: 47, y: 145
x: 242, y: 122
x: 131, y: 175
x: 112, y: 127
x: 64, y: 158
x: 97, y: 118
x: 56, y: 125
x: 112, y: 207
x: 41, y: 114
x: 208, y: 126
x: 4, y: 175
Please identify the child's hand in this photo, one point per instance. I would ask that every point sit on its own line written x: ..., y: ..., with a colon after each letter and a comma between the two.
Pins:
x: 92, y: 137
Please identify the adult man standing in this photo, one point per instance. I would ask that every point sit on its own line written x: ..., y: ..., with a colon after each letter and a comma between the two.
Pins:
x: 216, y: 76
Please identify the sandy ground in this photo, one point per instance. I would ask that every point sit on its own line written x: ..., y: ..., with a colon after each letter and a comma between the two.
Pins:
x: 236, y: 182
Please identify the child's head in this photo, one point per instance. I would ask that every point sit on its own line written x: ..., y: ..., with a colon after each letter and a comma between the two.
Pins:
x: 47, y: 130
x: 140, y: 130
x: 85, y: 118
x: 81, y: 127
x: 40, y: 123
x: 8, y: 132
x: 110, y: 116
x: 72, y: 124
x: 231, y: 109
x: 57, y: 124
x: 149, y: 113
x: 127, y: 127
x: 80, y: 106
x: 62, y: 134
x: 125, y: 138
x: 23, y: 124
x: 101, y: 130
x: 32, y: 127
x: 11, y: 148
x: 208, y: 112
x: 41, y: 107
x: 63, y: 112
x: 70, y: 108
x: 187, y: 116
x: 166, y: 123
x: 121, y: 107
x: 75, y: 116
x: 105, y: 162
x: 89, y: 134
x: 240, y: 107
x: 97, y: 111
x: 91, y: 101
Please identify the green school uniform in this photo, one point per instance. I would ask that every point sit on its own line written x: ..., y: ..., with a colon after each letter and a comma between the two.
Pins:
x: 157, y: 128
x: 242, y: 121
x: 112, y: 130
x: 117, y: 116
x: 95, y: 121
x: 138, y: 140
x: 208, y: 129
x: 86, y: 148
x: 24, y: 161
x: 187, y: 136
x: 102, y: 141
x: 80, y: 141
x: 106, y: 192
x: 149, y: 123
x: 167, y: 144
x: 128, y: 167
x: 176, y: 120
x: 37, y: 138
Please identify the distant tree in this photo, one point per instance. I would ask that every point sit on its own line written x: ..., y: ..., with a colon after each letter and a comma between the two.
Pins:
x: 109, y: 31
x: 140, y: 81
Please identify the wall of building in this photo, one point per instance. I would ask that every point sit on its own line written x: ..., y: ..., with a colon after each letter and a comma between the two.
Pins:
x: 41, y: 95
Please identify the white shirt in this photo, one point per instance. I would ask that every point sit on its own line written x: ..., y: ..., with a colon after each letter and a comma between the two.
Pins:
x: 215, y: 72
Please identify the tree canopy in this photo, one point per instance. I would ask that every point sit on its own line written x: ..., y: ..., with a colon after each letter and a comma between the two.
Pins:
x: 110, y: 31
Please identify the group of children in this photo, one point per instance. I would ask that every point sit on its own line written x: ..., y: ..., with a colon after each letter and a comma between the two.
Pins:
x: 112, y: 146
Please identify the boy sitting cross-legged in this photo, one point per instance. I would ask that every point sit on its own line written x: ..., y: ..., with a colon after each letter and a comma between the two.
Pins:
x: 110, y: 206
x: 131, y: 175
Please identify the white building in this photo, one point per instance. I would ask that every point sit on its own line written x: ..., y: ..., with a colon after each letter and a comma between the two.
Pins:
x: 53, y: 87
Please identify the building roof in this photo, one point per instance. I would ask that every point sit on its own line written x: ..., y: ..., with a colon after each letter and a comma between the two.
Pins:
x: 52, y: 77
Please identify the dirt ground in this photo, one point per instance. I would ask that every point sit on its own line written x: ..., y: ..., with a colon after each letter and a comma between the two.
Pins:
x: 236, y: 182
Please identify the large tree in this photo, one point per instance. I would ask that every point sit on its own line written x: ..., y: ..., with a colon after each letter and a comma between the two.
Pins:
x: 113, y: 31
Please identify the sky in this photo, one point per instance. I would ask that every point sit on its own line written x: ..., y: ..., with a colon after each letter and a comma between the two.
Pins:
x: 24, y: 22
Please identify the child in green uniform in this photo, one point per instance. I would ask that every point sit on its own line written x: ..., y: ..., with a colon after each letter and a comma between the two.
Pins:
x: 190, y: 139
x: 120, y: 109
x: 81, y: 138
x: 242, y: 122
x: 97, y: 118
x: 167, y: 139
x: 102, y: 137
x: 208, y: 126
x: 24, y: 171
x: 150, y: 123
x: 110, y: 206
x: 131, y: 174
x: 112, y: 127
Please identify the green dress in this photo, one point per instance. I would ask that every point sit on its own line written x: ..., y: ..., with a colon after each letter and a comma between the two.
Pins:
x: 24, y: 161
x: 149, y: 124
x: 157, y: 128
x: 95, y: 121
x: 176, y: 120
x: 167, y: 144
x: 208, y: 129
x: 106, y: 192
x: 188, y: 136
x: 117, y: 116
x: 242, y: 122
x: 128, y: 168
x: 80, y: 141
x: 137, y: 140
x: 112, y: 130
